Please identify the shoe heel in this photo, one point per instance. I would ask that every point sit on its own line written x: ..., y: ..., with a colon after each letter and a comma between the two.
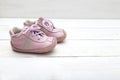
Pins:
x: 13, y: 48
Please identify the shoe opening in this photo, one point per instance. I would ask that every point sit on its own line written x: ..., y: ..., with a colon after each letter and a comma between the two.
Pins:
x: 15, y: 30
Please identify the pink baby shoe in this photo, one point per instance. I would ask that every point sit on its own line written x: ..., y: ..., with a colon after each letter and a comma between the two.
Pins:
x: 31, y: 39
x: 48, y: 28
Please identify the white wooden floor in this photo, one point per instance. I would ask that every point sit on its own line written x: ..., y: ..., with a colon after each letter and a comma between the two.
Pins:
x: 90, y: 52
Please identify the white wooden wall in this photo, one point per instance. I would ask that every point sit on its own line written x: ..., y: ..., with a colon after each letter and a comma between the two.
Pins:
x: 60, y: 8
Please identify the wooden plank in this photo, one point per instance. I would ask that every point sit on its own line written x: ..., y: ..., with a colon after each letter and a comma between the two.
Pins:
x: 81, y: 68
x: 88, y: 23
x: 73, y: 48
x: 76, y: 29
x: 78, y: 33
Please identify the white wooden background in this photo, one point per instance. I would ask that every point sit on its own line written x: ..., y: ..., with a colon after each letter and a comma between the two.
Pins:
x: 75, y: 9
x: 90, y: 52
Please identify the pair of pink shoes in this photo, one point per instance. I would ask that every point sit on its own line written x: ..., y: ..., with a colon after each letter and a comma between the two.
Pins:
x: 36, y: 37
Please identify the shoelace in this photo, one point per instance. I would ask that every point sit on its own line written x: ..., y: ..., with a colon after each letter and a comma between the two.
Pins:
x: 35, y: 31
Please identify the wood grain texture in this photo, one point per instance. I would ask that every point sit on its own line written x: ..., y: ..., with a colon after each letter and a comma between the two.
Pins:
x: 90, y: 52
